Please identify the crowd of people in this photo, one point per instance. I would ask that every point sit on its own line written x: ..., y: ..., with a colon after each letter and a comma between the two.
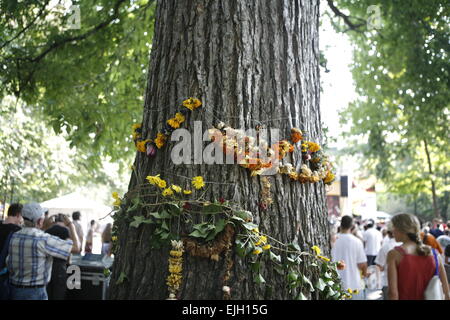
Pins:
x: 405, y: 252
x: 35, y: 251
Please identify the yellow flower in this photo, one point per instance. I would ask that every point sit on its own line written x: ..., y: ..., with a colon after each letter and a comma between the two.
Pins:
x: 160, y: 140
x: 115, y: 195
x: 167, y: 192
x: 317, y: 250
x: 192, y: 103
x: 162, y: 183
x: 313, y: 147
x: 263, y: 239
x: 117, y: 202
x: 136, y: 126
x: 136, y: 135
x: 173, y: 123
x: 257, y: 243
x: 187, y: 191
x: 329, y: 177
x: 175, y: 269
x: 266, y: 247
x: 176, y: 253
x: 256, y: 230
x: 140, y: 145
x: 179, y: 117
x: 114, y: 238
x: 349, y: 290
x: 323, y: 258
x: 198, y: 182
x: 176, y: 188
x: 257, y: 251
x: 156, y: 180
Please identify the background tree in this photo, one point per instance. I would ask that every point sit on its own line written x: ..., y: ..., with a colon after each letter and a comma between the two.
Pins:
x: 66, y: 77
x: 74, y: 75
x: 400, y: 121
x: 250, y: 62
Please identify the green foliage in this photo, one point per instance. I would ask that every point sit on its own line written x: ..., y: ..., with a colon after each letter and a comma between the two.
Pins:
x: 402, y: 77
x: 88, y: 82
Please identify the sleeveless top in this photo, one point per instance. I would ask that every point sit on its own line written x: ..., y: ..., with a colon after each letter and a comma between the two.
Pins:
x: 413, y: 275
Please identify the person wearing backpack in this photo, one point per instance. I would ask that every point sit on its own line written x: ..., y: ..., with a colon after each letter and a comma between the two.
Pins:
x: 7, y: 228
x: 412, y: 265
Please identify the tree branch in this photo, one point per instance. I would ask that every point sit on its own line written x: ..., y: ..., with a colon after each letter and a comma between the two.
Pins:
x: 27, y: 27
x: 346, y: 18
x: 100, y: 26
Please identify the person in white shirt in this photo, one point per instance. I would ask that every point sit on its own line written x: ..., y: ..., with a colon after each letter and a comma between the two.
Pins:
x: 381, y: 259
x: 372, y: 242
x: 350, y: 249
x: 78, y: 228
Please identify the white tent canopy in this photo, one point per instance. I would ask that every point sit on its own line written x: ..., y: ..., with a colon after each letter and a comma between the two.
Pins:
x: 376, y: 215
x: 89, y: 209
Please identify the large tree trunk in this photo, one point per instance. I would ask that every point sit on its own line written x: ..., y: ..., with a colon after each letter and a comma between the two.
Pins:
x: 247, y: 61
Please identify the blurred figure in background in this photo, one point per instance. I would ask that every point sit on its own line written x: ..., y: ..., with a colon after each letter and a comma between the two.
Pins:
x: 56, y: 288
x: 350, y: 249
x: 381, y: 259
x: 11, y: 224
x: 436, y: 228
x: 411, y: 265
x: 31, y: 252
x: 107, y: 240
x: 447, y: 262
x: 78, y: 228
x: 48, y: 221
x: 372, y: 242
x: 90, y: 237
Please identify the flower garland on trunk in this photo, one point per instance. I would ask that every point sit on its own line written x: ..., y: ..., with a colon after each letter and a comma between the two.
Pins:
x: 175, y: 268
x: 148, y: 146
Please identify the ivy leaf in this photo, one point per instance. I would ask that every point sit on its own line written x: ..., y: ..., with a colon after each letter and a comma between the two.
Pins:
x: 274, y: 257
x: 305, y: 280
x: 212, y: 209
x: 197, y: 234
x: 122, y: 278
x: 255, y: 266
x: 136, y: 203
x: 259, y: 279
x: 164, y: 225
x: 173, y: 209
x: 294, y: 246
x: 138, y: 220
x: 279, y: 269
x: 301, y: 296
x: 243, y: 215
x: 292, y: 276
x: 321, y: 285
x: 240, y: 250
x: 249, y: 226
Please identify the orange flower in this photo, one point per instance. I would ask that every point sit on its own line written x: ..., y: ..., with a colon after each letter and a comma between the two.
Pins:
x: 140, y: 145
x: 341, y: 265
x: 296, y: 135
x: 160, y: 140
x: 313, y: 147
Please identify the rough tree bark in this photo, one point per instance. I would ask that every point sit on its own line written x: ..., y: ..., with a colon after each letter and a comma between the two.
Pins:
x: 247, y: 61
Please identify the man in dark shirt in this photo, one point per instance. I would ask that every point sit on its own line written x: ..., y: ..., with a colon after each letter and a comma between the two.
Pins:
x: 12, y: 222
x: 10, y: 225
x: 56, y: 288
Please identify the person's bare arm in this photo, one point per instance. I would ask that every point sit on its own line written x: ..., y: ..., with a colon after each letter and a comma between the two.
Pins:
x: 363, y: 268
x: 444, y: 280
x: 392, y: 275
x: 380, y: 267
x: 73, y: 235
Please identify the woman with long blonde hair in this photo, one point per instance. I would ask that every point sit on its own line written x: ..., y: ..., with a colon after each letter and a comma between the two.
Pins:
x: 411, y: 265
